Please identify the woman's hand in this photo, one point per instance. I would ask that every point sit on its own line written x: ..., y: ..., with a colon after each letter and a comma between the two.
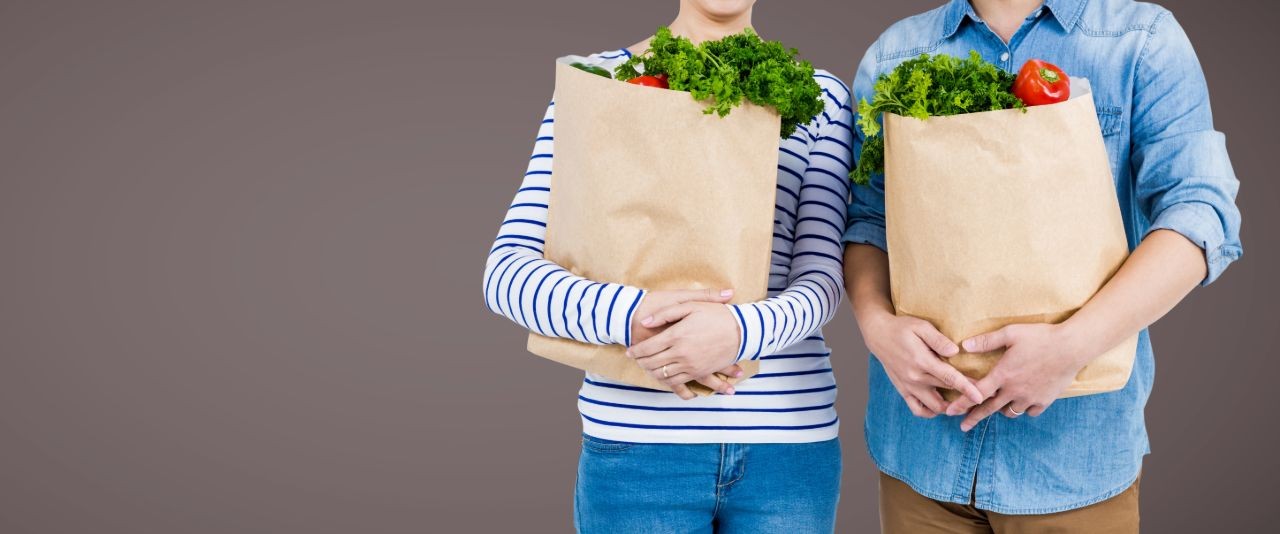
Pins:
x: 911, y: 351
x: 702, y: 341
x: 657, y: 300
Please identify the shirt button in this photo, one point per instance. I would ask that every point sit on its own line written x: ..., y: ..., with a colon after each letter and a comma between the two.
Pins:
x: 1004, y: 56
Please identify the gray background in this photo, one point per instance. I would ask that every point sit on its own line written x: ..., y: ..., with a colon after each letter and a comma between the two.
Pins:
x: 242, y: 253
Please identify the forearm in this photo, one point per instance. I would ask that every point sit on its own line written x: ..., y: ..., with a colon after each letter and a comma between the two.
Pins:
x: 536, y: 293
x: 1157, y: 276
x: 544, y: 298
x: 812, y: 247
x: 866, y: 275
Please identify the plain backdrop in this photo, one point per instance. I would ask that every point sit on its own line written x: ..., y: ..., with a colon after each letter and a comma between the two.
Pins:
x: 242, y: 254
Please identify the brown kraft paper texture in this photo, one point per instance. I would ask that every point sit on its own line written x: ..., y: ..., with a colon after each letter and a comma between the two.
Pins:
x: 649, y: 191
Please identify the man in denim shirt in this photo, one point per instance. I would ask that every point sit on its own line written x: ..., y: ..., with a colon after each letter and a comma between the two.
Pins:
x: 1070, y: 464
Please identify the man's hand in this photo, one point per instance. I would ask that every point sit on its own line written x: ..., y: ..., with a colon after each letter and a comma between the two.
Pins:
x: 657, y: 300
x: 911, y: 351
x: 702, y: 339
x: 1039, y: 362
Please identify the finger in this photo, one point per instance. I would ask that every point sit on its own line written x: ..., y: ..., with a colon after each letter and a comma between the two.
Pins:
x: 983, y: 411
x: 931, y: 399
x: 960, y: 406
x: 667, y: 315
x: 674, y: 379
x: 986, y: 387
x: 939, y: 343
x: 927, y: 379
x: 704, y: 295
x: 988, y: 342
x: 734, y: 371
x: 1037, y: 409
x: 952, y: 378
x: 683, y: 391
x: 651, y: 346
x: 655, y: 363
x: 1015, y: 409
x: 917, y: 409
x: 717, y: 384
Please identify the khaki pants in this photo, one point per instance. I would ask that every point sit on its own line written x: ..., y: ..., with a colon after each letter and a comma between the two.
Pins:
x: 903, y: 511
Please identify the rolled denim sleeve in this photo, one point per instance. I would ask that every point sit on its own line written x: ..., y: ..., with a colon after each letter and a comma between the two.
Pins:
x: 1184, y: 179
x: 866, y: 210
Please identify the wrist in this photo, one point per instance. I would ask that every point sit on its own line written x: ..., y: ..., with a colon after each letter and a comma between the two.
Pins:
x: 631, y: 317
x: 1078, y: 341
x: 873, y: 319
x: 740, y: 333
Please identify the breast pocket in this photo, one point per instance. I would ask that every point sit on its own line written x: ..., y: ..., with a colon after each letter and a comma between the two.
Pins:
x: 1111, y: 119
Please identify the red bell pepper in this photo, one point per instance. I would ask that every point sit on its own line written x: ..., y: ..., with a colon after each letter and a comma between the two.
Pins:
x: 659, y: 81
x: 1040, y: 82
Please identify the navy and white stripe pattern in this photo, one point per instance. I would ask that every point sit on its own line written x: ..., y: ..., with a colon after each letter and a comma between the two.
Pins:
x: 792, y: 399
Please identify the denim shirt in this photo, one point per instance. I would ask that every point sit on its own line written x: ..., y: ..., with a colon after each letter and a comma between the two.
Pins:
x: 1171, y: 172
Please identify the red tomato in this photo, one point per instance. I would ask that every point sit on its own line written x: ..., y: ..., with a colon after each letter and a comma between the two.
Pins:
x: 1040, y: 82
x: 659, y: 81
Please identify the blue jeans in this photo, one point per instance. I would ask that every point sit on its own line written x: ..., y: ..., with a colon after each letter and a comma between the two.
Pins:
x: 725, y: 488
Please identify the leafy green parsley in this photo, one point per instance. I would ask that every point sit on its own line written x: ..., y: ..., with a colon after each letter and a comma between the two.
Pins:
x: 724, y: 72
x: 929, y: 86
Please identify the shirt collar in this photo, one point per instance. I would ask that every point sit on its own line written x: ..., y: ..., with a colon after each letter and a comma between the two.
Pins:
x: 957, y: 10
x: 1066, y: 12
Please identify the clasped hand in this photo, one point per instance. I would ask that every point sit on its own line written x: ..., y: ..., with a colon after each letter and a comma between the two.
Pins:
x: 686, y: 336
x: 1039, y: 362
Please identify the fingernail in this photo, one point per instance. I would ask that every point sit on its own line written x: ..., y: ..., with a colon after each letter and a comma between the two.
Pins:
x: 968, y: 345
x: 726, y: 293
x: 965, y: 428
x: 647, y: 320
x: 737, y: 373
x: 729, y: 391
x: 628, y: 353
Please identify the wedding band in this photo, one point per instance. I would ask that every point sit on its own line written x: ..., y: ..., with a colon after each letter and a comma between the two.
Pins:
x: 664, y: 370
x: 1015, y: 412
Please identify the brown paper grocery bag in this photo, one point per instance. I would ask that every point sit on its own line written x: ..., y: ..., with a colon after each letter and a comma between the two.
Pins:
x: 649, y: 191
x: 1004, y: 217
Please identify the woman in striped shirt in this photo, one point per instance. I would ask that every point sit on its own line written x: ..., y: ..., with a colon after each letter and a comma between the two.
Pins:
x: 759, y: 457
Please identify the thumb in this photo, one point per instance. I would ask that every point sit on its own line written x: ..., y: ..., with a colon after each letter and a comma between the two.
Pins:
x: 667, y: 315
x: 989, y: 341
x: 704, y: 295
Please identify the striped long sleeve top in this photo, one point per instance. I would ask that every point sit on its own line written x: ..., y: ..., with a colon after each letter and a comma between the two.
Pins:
x: 792, y: 399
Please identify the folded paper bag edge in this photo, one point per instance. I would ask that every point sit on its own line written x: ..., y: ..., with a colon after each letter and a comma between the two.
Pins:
x: 1110, y: 382
x: 611, y: 362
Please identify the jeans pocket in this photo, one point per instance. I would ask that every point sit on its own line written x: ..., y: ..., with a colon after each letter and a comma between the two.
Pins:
x: 604, y: 445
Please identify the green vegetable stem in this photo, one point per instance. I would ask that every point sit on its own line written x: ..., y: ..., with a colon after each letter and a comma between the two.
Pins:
x: 591, y: 68
x: 725, y: 72
x: 929, y: 86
